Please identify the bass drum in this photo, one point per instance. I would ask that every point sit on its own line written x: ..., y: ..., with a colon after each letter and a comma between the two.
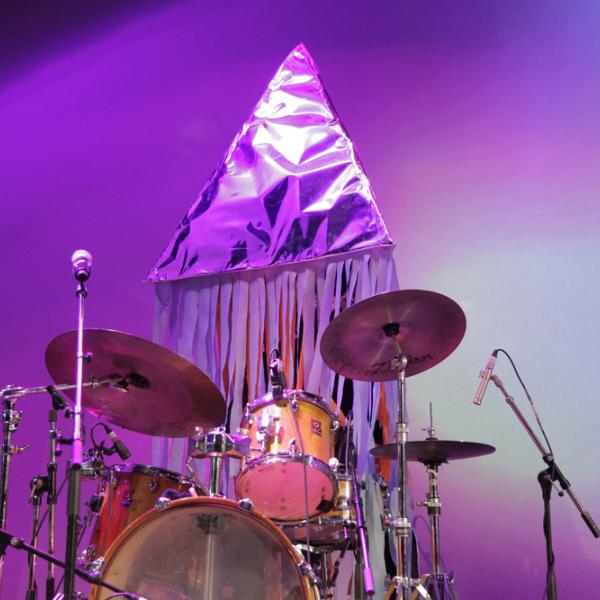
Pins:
x: 206, y: 549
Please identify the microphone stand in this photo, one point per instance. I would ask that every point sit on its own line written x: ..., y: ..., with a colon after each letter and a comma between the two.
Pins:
x: 73, y: 501
x: 368, y: 582
x: 546, y: 479
x: 6, y: 539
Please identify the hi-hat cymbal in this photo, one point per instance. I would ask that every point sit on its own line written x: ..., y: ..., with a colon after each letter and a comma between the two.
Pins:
x: 165, y: 394
x: 360, y: 343
x: 434, y: 451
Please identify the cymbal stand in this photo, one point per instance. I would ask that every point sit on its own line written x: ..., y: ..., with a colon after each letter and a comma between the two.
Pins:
x: 11, y: 419
x: 37, y: 490
x: 440, y: 585
x: 401, y: 523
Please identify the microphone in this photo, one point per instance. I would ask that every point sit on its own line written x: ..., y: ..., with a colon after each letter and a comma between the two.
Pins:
x: 485, y: 378
x: 82, y: 265
x: 120, y: 448
x: 277, y: 376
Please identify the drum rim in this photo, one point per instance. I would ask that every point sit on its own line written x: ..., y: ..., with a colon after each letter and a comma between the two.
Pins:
x: 281, y: 457
x: 146, y: 469
x: 228, y: 504
x: 300, y: 395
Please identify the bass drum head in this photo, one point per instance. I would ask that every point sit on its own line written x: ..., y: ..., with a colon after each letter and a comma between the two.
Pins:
x: 205, y: 549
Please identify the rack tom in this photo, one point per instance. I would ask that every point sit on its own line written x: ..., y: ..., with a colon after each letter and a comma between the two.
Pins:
x: 273, y: 477
x: 128, y: 491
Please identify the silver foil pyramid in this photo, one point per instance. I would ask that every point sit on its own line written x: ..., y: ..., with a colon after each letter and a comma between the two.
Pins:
x: 290, y: 188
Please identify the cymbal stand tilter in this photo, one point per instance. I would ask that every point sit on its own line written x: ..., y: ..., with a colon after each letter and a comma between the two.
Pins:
x: 439, y: 584
x: 402, y: 582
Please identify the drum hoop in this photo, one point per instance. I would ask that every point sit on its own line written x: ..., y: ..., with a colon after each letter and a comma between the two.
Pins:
x: 311, y: 461
x: 299, y: 395
x: 285, y: 457
x: 147, y: 470
x: 225, y: 503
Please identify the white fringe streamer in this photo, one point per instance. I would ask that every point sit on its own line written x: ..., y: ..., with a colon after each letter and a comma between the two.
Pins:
x: 227, y: 324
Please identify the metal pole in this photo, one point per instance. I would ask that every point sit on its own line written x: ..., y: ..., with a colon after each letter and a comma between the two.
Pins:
x: 8, y: 426
x: 75, y: 471
x: 51, y: 500
x: 402, y: 524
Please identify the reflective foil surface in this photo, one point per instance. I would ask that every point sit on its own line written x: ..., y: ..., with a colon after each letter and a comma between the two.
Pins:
x: 290, y: 188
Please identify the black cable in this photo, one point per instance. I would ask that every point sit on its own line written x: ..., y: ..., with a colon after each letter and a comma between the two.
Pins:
x: 537, y: 418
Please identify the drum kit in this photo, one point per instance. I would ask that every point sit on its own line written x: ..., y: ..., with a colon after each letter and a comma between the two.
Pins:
x: 158, y: 534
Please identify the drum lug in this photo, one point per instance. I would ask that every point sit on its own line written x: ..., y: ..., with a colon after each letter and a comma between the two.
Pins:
x: 334, y: 463
x: 293, y: 447
x: 307, y: 571
x: 246, y: 504
x: 335, y: 426
x: 162, y: 503
x: 248, y: 416
x: 266, y: 430
x: 96, y: 566
x: 95, y: 503
x: 127, y: 498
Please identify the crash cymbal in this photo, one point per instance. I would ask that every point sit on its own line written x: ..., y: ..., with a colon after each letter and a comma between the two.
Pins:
x: 427, y: 325
x: 156, y: 391
x: 434, y: 451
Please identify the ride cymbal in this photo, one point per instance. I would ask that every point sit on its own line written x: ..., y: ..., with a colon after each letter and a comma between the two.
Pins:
x: 153, y: 390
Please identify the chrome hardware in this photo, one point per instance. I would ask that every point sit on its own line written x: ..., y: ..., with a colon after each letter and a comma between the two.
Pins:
x: 96, y: 566
x: 307, y: 571
x: 246, y: 504
x: 162, y: 503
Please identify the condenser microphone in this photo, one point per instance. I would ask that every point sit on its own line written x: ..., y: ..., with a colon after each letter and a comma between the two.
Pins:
x: 82, y: 265
x: 277, y: 376
x: 120, y: 448
x: 485, y: 378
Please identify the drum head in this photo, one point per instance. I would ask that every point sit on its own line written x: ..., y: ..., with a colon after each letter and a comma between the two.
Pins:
x: 205, y: 549
x: 275, y: 484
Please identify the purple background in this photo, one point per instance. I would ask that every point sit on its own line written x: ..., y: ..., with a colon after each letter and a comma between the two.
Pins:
x: 478, y: 125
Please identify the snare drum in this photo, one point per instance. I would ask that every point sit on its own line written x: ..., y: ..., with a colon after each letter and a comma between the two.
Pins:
x: 210, y: 548
x: 273, y: 479
x: 126, y: 493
